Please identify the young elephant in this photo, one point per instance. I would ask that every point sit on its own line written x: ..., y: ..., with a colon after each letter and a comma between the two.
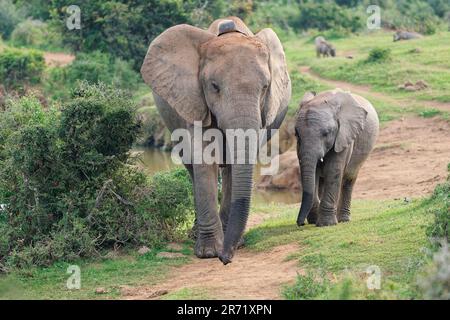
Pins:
x: 406, y: 35
x: 335, y: 132
x: 324, y: 48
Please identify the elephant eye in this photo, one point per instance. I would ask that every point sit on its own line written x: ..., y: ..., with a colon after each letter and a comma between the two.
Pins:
x: 215, y: 86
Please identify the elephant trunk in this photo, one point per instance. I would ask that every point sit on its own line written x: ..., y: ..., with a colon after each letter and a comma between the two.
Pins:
x: 308, y: 173
x: 244, y: 157
x: 242, y: 181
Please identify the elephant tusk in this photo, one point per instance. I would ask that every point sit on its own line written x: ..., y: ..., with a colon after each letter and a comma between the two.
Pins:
x: 321, y: 159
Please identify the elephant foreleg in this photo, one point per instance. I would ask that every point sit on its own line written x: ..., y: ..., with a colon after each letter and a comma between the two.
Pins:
x: 209, y: 241
x: 314, y: 213
x: 343, y: 214
x: 333, y: 174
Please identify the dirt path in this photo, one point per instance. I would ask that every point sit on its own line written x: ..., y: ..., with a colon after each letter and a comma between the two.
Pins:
x: 366, y: 91
x: 410, y: 158
x: 250, y: 276
x: 58, y: 59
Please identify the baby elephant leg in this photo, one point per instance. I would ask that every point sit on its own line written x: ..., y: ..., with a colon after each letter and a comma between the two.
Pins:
x: 314, y: 213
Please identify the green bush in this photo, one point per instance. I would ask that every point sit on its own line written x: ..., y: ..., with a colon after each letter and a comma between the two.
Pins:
x: 325, y: 16
x: 36, y: 34
x: 20, y: 67
x: 379, y: 55
x: 122, y: 28
x: 91, y: 67
x: 10, y: 16
x: 71, y: 189
x: 440, y: 228
x: 435, y: 283
x: 306, y: 287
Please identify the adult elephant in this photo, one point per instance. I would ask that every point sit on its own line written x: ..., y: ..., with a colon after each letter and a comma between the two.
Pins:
x: 227, y: 78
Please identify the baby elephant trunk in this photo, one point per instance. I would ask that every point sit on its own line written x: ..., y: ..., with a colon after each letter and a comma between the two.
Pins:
x: 308, y: 171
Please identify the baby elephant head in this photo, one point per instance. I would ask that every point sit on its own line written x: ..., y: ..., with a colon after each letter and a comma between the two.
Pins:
x: 328, y: 122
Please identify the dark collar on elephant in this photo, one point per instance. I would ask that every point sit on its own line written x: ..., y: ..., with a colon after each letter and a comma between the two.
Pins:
x: 228, y: 26
x: 237, y: 31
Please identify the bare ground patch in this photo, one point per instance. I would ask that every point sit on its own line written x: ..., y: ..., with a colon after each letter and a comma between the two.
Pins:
x: 410, y: 158
x: 58, y: 59
x: 252, y: 275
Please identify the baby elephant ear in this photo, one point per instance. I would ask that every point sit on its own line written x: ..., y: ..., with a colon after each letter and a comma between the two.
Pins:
x: 307, y: 97
x: 351, y: 118
x: 171, y: 69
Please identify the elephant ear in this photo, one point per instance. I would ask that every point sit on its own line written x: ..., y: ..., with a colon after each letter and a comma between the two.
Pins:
x: 307, y: 97
x: 171, y: 69
x: 279, y: 91
x: 351, y: 118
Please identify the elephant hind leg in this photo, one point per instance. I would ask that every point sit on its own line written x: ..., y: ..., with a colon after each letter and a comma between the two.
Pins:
x: 345, y: 200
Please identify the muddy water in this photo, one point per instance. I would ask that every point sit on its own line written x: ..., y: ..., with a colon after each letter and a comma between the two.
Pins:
x: 153, y: 160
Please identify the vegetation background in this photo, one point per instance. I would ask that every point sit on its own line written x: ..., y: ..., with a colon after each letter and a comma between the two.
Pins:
x: 72, y: 191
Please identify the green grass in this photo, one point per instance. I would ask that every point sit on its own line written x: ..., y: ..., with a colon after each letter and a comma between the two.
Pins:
x: 389, y: 234
x: 187, y: 294
x: 129, y: 269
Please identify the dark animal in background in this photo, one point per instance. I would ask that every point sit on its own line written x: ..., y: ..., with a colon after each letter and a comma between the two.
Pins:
x: 406, y: 35
x: 335, y: 132
x: 324, y: 48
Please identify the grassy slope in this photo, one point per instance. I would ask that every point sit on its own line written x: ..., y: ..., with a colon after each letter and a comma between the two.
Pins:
x: 432, y: 64
x: 389, y: 234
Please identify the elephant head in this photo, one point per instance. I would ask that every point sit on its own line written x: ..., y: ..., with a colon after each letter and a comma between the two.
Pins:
x: 227, y: 74
x: 332, y: 50
x: 327, y: 122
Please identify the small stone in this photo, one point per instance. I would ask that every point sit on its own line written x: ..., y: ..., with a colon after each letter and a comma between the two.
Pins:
x: 157, y: 293
x: 101, y: 291
x: 143, y: 250
x: 407, y: 200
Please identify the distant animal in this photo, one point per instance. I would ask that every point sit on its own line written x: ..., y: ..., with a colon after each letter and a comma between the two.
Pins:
x: 324, y: 48
x: 406, y: 35
x: 335, y: 132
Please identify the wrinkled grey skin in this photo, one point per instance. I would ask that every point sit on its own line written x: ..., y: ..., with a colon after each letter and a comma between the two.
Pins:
x: 335, y: 132
x: 234, y: 80
x: 324, y: 48
x: 406, y: 35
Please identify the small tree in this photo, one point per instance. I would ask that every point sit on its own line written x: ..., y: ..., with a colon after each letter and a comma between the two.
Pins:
x: 20, y: 67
